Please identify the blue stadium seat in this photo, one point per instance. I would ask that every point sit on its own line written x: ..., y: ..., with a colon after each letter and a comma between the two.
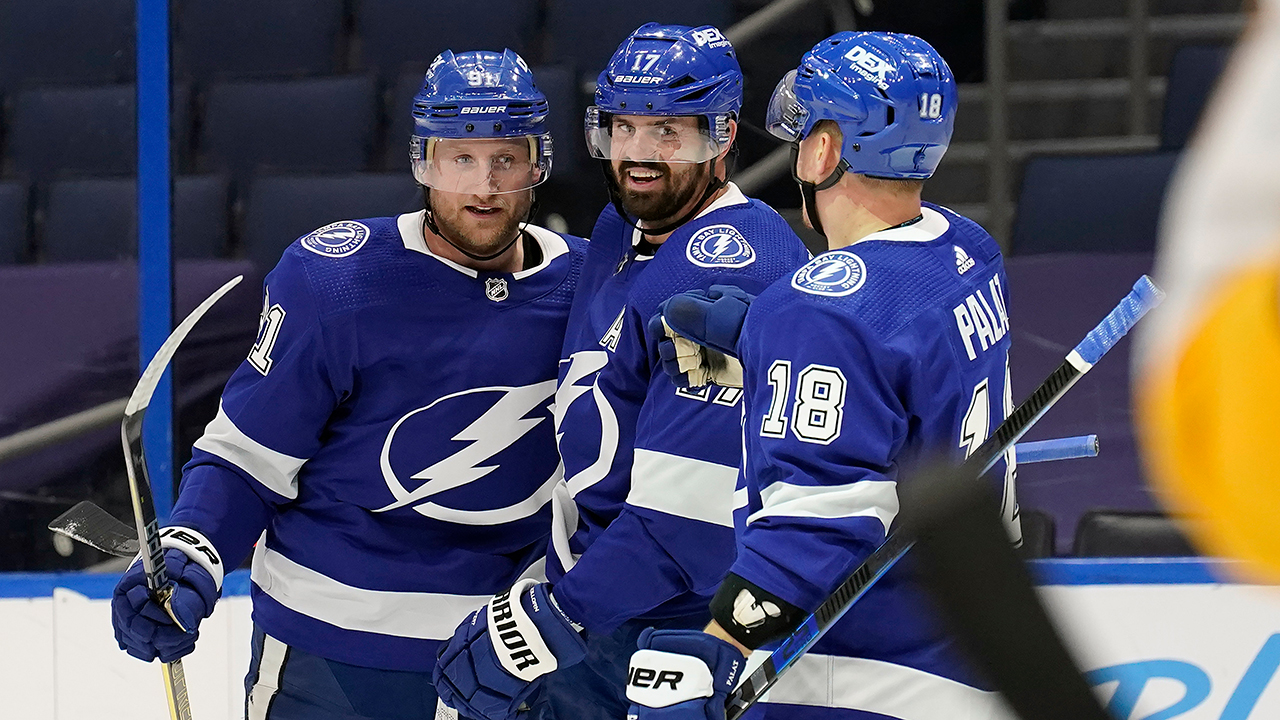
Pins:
x: 394, y: 33
x: 1108, y: 203
x: 13, y: 221
x: 1192, y: 75
x: 282, y: 208
x: 586, y: 32
x: 85, y: 130
x: 66, y: 41
x: 313, y: 125
x: 97, y: 219
x: 249, y: 37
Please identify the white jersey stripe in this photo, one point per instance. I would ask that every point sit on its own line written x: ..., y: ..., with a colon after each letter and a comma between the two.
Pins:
x: 885, y: 689
x: 684, y: 487
x: 866, y: 498
x: 270, y: 674
x: 419, y: 615
x: 276, y: 471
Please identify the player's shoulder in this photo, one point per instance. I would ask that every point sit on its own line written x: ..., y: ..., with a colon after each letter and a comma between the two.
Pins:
x: 889, y: 279
x: 736, y: 232
x: 310, y: 263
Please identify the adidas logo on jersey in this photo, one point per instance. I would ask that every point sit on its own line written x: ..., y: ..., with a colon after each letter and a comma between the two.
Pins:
x: 964, y: 263
x: 483, y: 110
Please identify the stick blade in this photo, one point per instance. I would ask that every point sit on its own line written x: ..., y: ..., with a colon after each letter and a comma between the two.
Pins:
x: 983, y: 589
x: 89, y: 524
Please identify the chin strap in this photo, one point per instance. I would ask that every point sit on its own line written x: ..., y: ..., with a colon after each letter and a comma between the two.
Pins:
x: 809, y: 191
x: 615, y: 195
x: 429, y: 219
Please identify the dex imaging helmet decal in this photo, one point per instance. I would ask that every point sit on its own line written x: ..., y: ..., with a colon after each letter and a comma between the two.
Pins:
x: 836, y: 273
x: 478, y: 476
x: 337, y: 239
x: 720, y: 246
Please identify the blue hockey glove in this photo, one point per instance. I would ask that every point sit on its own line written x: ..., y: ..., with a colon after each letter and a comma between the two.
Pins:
x: 703, y: 329
x: 143, y: 628
x: 682, y: 675
x: 488, y: 678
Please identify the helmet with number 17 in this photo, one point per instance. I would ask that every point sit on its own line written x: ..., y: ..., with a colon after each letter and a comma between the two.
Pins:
x: 667, y: 70
x: 480, y: 125
x: 892, y: 96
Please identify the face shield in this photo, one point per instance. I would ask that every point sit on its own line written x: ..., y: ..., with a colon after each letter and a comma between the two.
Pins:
x: 655, y: 138
x: 481, y: 166
x: 786, y: 117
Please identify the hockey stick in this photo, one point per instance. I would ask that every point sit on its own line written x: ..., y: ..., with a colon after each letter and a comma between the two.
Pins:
x: 144, y: 511
x: 1068, y: 448
x: 1115, y: 325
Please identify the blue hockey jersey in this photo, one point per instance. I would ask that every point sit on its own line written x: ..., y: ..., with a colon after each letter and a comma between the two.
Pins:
x: 652, y: 469
x: 391, y: 431
x: 859, y: 368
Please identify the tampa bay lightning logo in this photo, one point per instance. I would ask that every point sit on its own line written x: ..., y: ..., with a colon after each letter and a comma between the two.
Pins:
x: 834, y: 273
x: 471, y: 458
x: 337, y: 239
x: 720, y: 246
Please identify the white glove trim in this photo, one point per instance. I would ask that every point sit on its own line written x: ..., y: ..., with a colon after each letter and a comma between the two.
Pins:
x: 660, y: 679
x: 515, y: 638
x: 196, y: 546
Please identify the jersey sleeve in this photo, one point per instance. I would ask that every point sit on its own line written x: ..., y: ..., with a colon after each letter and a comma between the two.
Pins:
x: 674, y: 534
x: 270, y: 420
x: 824, y: 422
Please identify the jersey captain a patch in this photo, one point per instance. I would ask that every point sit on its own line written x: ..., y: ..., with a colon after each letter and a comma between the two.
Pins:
x: 337, y: 239
x: 835, y: 274
x: 720, y: 246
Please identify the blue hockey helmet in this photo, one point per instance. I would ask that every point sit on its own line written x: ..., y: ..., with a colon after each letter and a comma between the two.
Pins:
x: 480, y: 125
x: 892, y: 95
x: 667, y: 70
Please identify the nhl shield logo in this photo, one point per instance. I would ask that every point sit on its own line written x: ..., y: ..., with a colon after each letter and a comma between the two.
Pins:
x: 720, y: 246
x: 836, y: 273
x: 496, y: 289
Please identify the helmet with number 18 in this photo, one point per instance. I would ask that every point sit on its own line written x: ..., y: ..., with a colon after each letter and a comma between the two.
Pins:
x: 892, y: 96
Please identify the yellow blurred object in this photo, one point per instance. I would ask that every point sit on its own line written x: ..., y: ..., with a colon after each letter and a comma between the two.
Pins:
x: 1211, y: 422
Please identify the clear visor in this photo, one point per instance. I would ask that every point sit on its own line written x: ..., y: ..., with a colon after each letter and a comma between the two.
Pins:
x: 655, y: 138
x: 786, y: 116
x: 481, y: 166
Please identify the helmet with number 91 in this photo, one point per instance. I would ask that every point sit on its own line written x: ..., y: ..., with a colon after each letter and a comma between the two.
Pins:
x: 666, y: 70
x: 480, y: 125
x: 892, y: 95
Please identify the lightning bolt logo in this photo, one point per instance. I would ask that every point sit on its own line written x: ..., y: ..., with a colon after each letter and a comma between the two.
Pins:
x: 827, y: 271
x: 722, y: 243
x: 494, y: 431
x: 720, y: 246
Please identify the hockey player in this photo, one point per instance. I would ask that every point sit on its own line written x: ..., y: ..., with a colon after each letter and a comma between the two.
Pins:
x: 859, y: 368
x: 391, y: 430
x: 652, y: 468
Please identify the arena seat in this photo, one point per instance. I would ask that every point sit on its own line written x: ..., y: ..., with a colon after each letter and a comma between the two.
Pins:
x: 311, y: 125
x: 1116, y: 533
x: 1096, y: 203
x: 85, y: 130
x: 394, y: 33
x: 1192, y: 76
x: 66, y: 41
x: 90, y: 219
x: 564, y: 120
x: 1037, y: 534
x: 13, y: 221
x: 588, y: 45
x: 281, y: 208
x: 247, y: 37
